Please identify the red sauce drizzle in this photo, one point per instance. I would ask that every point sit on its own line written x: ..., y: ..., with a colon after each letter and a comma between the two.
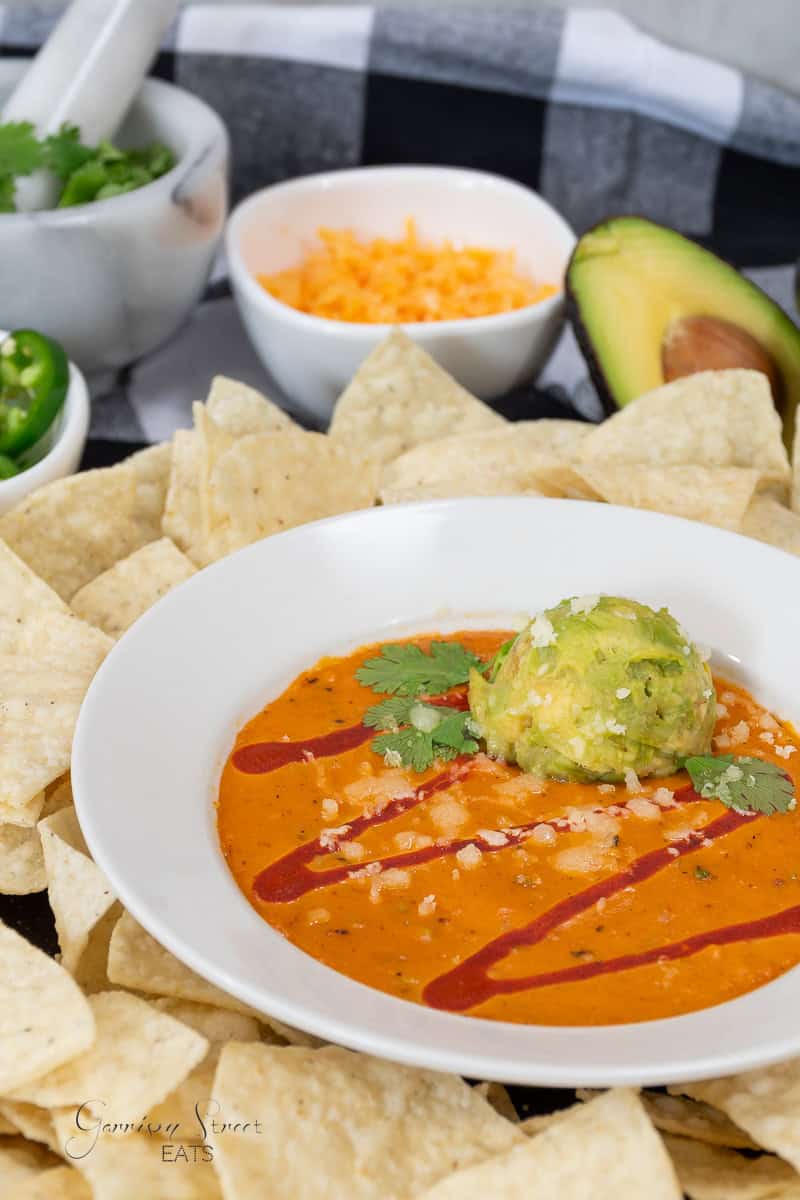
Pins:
x: 469, y: 983
x: 290, y: 876
x: 262, y: 757
x: 787, y: 921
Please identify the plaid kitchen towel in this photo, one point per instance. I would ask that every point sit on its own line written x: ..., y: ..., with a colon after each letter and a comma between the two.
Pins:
x: 579, y: 105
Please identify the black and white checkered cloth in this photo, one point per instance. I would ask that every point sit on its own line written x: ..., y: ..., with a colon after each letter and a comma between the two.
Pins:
x: 581, y: 106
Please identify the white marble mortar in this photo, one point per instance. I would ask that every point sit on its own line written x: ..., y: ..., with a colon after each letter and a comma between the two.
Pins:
x: 114, y: 279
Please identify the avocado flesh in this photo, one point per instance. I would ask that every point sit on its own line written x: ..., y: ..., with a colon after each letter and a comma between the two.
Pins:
x: 630, y: 279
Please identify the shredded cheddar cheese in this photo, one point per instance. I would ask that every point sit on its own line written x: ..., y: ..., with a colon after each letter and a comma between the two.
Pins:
x: 384, y: 281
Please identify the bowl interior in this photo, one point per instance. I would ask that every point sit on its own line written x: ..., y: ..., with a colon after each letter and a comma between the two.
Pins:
x: 154, y: 734
x: 279, y: 224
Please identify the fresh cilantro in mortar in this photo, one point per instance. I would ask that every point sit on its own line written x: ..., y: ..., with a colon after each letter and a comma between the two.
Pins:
x: 87, y: 173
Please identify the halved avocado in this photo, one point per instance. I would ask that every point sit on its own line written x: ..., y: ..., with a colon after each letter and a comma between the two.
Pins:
x: 649, y: 305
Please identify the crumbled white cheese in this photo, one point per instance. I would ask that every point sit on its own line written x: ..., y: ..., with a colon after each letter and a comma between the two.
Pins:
x: 318, y: 916
x: 767, y: 737
x: 330, y: 808
x: 329, y: 837
x: 767, y: 721
x: 607, y: 789
x: 785, y: 751
x: 542, y: 632
x: 632, y: 781
x: 722, y: 710
x: 644, y: 809
x: 583, y: 604
x: 353, y: 851
x: 739, y: 733
x: 469, y: 856
x: 622, y: 693
x: 493, y: 837
x: 663, y: 797
x: 615, y: 727
x: 543, y: 834
x: 427, y: 905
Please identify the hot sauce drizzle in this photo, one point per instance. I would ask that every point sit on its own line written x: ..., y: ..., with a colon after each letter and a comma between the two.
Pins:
x: 469, y: 983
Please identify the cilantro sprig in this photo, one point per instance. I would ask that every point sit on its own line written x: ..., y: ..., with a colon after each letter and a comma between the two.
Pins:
x: 86, y: 173
x: 744, y: 784
x: 412, y: 732
x: 406, y: 670
x: 416, y: 734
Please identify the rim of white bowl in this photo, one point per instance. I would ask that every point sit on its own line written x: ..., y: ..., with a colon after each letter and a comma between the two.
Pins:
x: 242, y: 276
x: 71, y: 435
x: 78, y: 213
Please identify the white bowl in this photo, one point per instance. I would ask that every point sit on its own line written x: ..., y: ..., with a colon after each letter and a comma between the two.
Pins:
x: 313, y: 358
x: 112, y: 280
x: 153, y: 734
x: 59, y: 452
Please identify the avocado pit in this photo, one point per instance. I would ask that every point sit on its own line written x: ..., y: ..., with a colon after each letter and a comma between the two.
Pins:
x: 704, y: 343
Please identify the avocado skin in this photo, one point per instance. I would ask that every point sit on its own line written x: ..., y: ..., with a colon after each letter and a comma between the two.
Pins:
x: 592, y: 353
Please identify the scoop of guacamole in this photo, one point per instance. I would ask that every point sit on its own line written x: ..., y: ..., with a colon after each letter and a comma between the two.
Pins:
x: 594, y: 687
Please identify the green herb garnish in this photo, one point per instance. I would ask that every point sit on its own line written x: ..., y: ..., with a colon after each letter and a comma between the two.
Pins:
x: 744, y: 784
x: 702, y: 873
x: 406, y: 670
x: 87, y: 173
x: 416, y: 734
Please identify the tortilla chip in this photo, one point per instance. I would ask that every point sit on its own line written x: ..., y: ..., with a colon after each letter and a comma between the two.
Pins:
x: 21, y: 861
x: 20, y: 1163
x: 55, y: 1183
x: 712, y: 419
x: 150, y: 469
x: 138, y: 1057
x: 606, y: 1149
x: 195, y: 1095
x: 71, y: 530
x: 770, y: 522
x: 713, y: 1173
x: 118, y: 597
x: 506, y: 461
x: 241, y: 409
x: 6, y: 1127
x: 692, y: 1119
x: 91, y: 972
x: 266, y: 483
x: 33, y: 1122
x: 500, y: 1100
x: 383, y: 1130
x: 135, y: 960
x: 715, y: 495
x: 44, y: 1018
x: 182, y: 521
x: 138, y: 1167
x: 400, y: 397
x: 765, y: 1103
x: 78, y: 891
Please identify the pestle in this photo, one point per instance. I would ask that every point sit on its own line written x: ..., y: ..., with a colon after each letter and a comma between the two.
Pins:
x: 86, y: 74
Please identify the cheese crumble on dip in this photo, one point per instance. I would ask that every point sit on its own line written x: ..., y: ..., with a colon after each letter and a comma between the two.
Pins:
x: 398, y: 282
x: 560, y: 826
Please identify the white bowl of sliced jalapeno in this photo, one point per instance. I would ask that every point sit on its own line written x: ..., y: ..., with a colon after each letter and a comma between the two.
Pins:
x: 44, y: 414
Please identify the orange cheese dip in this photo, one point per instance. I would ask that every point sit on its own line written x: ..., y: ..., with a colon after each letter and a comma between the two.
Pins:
x: 395, y: 282
x: 475, y: 888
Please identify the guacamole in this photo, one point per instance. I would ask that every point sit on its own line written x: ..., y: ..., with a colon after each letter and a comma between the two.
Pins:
x: 593, y: 688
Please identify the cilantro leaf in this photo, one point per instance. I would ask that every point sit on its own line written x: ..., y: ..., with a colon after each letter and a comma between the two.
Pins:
x: 20, y: 149
x: 744, y: 784
x: 500, y: 657
x: 390, y: 714
x: 64, y: 153
x: 429, y: 732
x: 406, y: 670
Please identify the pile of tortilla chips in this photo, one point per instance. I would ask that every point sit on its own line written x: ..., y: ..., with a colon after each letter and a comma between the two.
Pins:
x: 124, y: 1075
